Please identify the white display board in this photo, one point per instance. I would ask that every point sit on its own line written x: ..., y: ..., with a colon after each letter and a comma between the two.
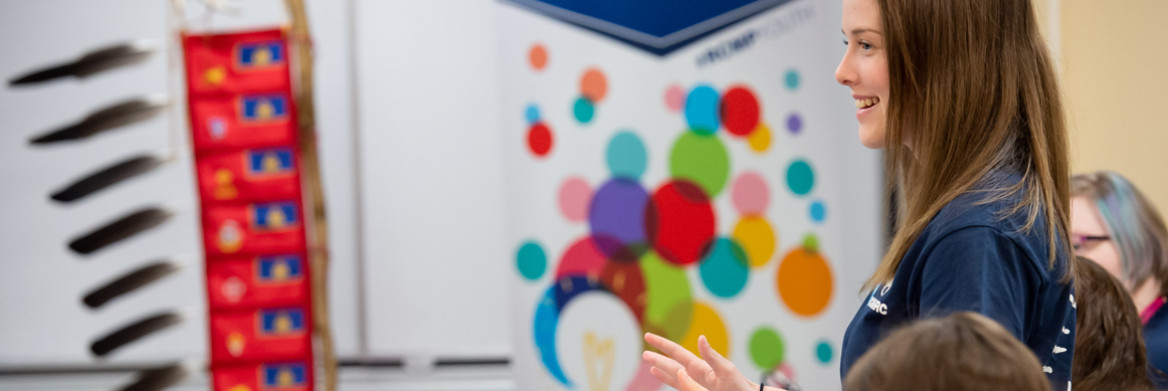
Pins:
x: 715, y: 190
x: 43, y: 323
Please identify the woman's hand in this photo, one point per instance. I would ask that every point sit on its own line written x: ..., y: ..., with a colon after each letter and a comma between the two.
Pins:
x: 684, y: 371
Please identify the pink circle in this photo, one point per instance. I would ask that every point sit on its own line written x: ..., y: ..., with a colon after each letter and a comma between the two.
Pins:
x: 575, y: 194
x: 674, y: 98
x: 750, y: 194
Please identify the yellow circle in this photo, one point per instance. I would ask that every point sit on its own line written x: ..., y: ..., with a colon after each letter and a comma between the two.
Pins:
x: 706, y: 321
x: 261, y: 57
x: 240, y: 387
x: 275, y: 218
x: 280, y: 271
x: 283, y: 324
x: 757, y: 237
x: 265, y: 110
x: 215, y: 75
x: 271, y: 162
x: 760, y: 138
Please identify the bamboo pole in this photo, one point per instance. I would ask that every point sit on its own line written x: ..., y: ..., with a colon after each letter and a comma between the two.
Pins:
x: 313, y: 190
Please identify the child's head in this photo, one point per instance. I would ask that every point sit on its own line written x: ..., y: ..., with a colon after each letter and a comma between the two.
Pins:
x: 962, y: 351
x: 1109, y: 351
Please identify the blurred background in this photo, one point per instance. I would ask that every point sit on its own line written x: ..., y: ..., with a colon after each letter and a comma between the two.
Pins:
x: 439, y: 201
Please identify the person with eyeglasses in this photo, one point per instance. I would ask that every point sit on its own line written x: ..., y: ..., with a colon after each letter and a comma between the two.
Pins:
x: 1114, y: 224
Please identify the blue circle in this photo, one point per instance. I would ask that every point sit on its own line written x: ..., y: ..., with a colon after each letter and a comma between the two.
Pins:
x: 824, y: 352
x: 818, y: 211
x: 626, y: 156
x: 532, y: 114
x: 531, y: 261
x: 800, y: 177
x: 583, y: 110
x: 724, y: 271
x: 792, y: 79
x: 701, y: 109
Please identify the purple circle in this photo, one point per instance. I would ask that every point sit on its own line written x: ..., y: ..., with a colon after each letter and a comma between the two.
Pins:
x: 794, y: 123
x: 616, y: 217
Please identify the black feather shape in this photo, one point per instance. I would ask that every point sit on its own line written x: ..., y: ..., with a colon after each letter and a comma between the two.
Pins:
x: 90, y: 63
x: 158, y: 378
x: 133, y: 332
x: 110, y: 117
x: 130, y: 282
x: 108, y: 176
x: 123, y: 228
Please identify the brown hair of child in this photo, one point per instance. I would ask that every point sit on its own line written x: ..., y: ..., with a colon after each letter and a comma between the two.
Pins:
x: 1109, y: 348
x: 959, y: 352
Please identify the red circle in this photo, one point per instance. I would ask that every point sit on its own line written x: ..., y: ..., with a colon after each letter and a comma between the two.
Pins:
x: 681, y: 222
x: 740, y: 111
x: 539, y: 139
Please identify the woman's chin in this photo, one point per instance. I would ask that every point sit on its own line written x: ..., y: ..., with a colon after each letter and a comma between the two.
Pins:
x: 870, y: 139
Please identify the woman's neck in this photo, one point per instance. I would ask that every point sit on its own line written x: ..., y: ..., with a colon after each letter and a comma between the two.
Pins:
x: 1146, y: 293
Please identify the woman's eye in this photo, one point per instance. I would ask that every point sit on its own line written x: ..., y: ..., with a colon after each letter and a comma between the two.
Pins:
x: 845, y: 42
x: 865, y: 46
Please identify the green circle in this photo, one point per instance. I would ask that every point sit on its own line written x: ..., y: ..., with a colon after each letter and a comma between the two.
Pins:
x: 583, y: 109
x: 792, y: 79
x: 823, y: 352
x: 531, y: 261
x: 766, y: 348
x: 800, y: 177
x: 811, y: 243
x: 702, y: 159
x: 668, y: 301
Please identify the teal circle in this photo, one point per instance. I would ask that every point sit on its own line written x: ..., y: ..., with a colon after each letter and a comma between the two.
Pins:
x: 531, y: 261
x: 792, y: 79
x: 583, y: 109
x: 800, y: 177
x: 532, y: 114
x: 824, y: 352
x: 725, y: 270
x: 818, y: 211
x: 626, y: 156
x: 701, y: 109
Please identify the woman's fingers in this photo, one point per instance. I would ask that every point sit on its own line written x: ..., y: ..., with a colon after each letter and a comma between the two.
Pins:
x: 665, y: 365
x: 686, y: 383
x: 721, y: 366
x: 675, y: 351
x: 669, y: 379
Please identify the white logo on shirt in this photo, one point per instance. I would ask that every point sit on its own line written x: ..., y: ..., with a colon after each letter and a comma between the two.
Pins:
x: 877, y: 306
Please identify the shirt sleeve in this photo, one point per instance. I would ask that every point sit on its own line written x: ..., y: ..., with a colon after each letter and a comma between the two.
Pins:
x: 978, y: 269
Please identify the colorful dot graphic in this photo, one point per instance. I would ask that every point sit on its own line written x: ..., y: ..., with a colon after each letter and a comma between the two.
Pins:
x: 652, y: 243
x: 766, y: 348
x: 539, y: 139
x: 823, y: 352
x: 674, y: 98
x: 804, y: 280
x: 574, y: 195
x: 626, y: 156
x: 537, y: 57
x: 583, y: 110
x: 531, y: 261
x: 800, y: 177
x: 701, y: 110
x: 725, y: 269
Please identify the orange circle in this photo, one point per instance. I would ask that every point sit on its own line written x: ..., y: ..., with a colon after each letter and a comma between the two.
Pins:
x: 537, y: 56
x: 804, y: 282
x: 593, y: 85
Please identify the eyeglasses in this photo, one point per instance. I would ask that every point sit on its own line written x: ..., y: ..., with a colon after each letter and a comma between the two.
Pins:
x: 1082, y: 242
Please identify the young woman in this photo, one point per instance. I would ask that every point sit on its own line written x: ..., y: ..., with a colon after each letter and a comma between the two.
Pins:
x: 1113, y: 224
x: 962, y: 96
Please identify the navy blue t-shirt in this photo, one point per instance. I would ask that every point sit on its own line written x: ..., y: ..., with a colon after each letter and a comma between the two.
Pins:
x: 1156, y: 343
x: 971, y: 257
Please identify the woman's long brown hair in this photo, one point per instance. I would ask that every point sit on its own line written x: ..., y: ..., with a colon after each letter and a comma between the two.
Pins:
x: 972, y: 90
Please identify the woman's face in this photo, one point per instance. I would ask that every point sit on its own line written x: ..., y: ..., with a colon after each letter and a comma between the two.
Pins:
x: 1087, y: 234
x: 864, y: 68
